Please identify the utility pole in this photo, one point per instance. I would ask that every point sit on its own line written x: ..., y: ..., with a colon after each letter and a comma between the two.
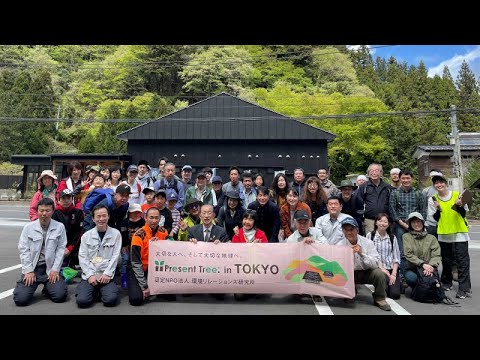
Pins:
x: 56, y: 125
x: 457, y: 156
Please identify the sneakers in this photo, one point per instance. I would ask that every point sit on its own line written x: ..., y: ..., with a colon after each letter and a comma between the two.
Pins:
x: 124, y: 281
x: 447, y: 287
x: 463, y: 294
x: 382, y: 304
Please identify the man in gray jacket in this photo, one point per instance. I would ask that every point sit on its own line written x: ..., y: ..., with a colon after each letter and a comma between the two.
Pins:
x: 98, y: 256
x: 42, y: 245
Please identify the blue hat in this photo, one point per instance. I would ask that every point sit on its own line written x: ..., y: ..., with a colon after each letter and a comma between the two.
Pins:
x: 217, y: 178
x: 350, y: 221
x: 173, y: 196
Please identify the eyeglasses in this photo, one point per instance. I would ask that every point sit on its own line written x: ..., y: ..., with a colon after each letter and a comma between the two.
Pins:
x: 194, y: 206
x: 251, y: 212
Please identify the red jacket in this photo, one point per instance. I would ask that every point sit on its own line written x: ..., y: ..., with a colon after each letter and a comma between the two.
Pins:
x: 240, y: 238
x: 285, y: 216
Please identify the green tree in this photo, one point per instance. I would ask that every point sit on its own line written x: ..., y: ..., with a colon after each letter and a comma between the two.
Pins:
x: 468, y: 98
x: 222, y: 68
x: 147, y: 106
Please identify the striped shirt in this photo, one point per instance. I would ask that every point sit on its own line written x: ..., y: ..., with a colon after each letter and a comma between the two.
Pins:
x: 384, y: 248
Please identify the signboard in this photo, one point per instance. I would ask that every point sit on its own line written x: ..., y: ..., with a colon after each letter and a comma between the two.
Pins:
x: 177, y: 267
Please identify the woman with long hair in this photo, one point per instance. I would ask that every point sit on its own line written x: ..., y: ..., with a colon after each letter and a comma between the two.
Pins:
x: 279, y: 190
x: 315, y: 197
x: 387, y: 246
x: 288, y: 210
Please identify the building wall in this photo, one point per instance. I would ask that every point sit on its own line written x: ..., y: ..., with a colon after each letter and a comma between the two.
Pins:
x: 310, y: 155
x: 427, y: 163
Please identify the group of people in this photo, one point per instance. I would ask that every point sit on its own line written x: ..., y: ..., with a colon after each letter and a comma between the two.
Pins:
x: 392, y: 228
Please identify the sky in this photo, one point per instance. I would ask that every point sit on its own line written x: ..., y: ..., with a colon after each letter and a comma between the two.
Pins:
x: 435, y: 57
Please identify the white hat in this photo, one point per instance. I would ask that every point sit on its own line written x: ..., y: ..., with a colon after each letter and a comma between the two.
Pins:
x: 395, y: 171
x: 47, y: 173
x: 134, y: 208
x: 435, y: 173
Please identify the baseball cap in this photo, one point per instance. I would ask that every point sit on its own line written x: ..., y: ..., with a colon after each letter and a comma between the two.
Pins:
x: 186, y: 168
x: 173, y: 196
x: 123, y: 188
x: 161, y: 191
x: 134, y: 208
x: 301, y: 215
x: 66, y: 192
x: 217, y: 178
x: 350, y: 221
x: 200, y: 174
x: 132, y: 168
x: 147, y: 189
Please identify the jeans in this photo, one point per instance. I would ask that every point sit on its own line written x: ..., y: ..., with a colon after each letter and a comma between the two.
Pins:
x: 125, y: 258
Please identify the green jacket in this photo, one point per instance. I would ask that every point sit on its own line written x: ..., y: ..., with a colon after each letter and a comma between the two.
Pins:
x: 421, y: 248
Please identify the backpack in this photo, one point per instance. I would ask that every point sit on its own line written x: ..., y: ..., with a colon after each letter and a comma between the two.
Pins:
x: 428, y: 288
x: 95, y: 196
x: 163, y: 185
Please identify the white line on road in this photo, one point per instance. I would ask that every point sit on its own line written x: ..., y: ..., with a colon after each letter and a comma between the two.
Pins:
x: 6, y: 294
x: 322, y: 306
x: 396, y: 308
x: 10, y: 268
x: 13, y: 223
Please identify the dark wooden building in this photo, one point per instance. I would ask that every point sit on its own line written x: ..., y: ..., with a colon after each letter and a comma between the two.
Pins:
x: 33, y: 165
x: 441, y: 156
x: 225, y: 130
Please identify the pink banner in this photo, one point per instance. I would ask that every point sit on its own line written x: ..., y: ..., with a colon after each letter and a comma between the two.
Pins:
x: 177, y: 267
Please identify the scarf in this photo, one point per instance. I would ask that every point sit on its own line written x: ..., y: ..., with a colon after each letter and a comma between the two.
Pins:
x: 47, y: 191
x: 249, y: 234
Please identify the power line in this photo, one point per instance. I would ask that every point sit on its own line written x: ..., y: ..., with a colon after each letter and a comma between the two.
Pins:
x: 176, y: 63
x: 250, y: 118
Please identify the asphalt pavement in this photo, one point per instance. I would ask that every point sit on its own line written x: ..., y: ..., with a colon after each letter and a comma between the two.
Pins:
x: 14, y: 215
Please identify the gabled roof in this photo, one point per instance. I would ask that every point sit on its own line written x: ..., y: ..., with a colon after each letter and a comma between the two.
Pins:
x: 225, y: 117
x: 423, y: 149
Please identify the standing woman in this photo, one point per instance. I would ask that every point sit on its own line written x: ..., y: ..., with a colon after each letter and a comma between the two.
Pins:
x: 74, y: 178
x: 230, y: 215
x: 452, y: 235
x: 105, y: 172
x: 47, y: 186
x: 315, y: 197
x: 258, y: 181
x: 387, y: 246
x: 115, y: 177
x: 279, y: 190
x: 287, y: 213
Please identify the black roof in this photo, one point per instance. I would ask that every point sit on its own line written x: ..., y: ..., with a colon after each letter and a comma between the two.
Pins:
x: 224, y: 117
